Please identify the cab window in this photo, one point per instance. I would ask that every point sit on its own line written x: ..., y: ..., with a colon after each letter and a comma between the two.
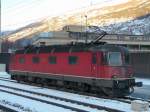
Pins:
x: 114, y: 58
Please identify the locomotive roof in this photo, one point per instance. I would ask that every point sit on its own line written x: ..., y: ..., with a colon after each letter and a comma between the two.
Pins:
x: 70, y: 48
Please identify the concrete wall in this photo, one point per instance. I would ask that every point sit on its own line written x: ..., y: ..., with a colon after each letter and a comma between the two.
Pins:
x: 141, y: 64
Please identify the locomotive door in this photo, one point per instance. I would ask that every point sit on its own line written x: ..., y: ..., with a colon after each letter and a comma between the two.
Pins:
x: 94, y: 67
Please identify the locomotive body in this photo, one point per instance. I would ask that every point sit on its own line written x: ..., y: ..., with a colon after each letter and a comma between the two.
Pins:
x: 88, y: 67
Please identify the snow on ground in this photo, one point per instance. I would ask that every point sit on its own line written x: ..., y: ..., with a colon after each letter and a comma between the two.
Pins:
x: 53, y: 100
x: 29, y: 104
x: 4, y: 74
x: 88, y: 99
x: 145, y: 81
x: 4, y: 103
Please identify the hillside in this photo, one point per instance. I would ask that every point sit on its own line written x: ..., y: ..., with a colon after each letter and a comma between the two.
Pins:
x: 130, y: 17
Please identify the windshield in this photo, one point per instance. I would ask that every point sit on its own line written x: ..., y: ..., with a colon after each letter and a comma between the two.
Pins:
x: 114, y: 58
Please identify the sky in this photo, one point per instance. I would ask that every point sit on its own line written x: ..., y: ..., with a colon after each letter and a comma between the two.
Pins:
x: 17, y: 13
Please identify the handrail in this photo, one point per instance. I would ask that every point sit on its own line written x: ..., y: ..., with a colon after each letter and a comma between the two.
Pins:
x: 127, y: 38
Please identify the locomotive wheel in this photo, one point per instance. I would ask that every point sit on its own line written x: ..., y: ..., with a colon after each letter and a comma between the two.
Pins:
x: 17, y: 77
x: 108, y: 92
x: 38, y: 80
x: 87, y: 88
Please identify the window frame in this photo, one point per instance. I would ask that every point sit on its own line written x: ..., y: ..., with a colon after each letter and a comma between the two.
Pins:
x: 127, y: 59
x: 22, y: 60
x: 109, y: 61
x: 35, y: 59
x: 94, y: 59
x: 52, y: 59
x: 73, y: 60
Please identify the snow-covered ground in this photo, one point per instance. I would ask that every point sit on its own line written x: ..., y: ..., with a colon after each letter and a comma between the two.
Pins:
x: 4, y: 74
x: 51, y: 100
x: 88, y: 99
x: 33, y: 105
x: 27, y: 104
x: 145, y: 81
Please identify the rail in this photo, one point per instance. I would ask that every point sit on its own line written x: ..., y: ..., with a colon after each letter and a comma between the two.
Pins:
x: 6, y: 109
x: 58, y: 98
x: 125, y: 99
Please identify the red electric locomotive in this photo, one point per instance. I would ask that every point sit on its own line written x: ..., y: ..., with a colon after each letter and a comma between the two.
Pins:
x: 89, y: 67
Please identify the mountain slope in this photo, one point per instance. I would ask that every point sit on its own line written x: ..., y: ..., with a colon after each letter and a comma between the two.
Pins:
x: 118, y: 18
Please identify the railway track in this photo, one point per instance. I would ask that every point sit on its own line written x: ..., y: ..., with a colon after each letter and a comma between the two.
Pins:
x: 44, y: 101
x: 6, y: 109
x: 129, y: 99
x: 62, y: 100
x: 7, y: 79
x: 126, y: 100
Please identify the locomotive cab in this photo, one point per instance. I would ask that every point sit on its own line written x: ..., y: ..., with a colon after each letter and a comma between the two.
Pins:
x: 117, y: 65
x: 116, y: 69
x: 114, y: 62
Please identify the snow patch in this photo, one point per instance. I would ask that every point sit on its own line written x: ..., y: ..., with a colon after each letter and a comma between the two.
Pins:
x: 4, y: 75
x: 87, y: 99
x: 145, y: 81
x: 35, y: 106
x: 131, y: 26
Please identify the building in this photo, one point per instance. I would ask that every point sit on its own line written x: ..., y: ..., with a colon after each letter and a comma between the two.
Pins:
x: 61, y: 37
x: 135, y: 43
x: 51, y: 38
